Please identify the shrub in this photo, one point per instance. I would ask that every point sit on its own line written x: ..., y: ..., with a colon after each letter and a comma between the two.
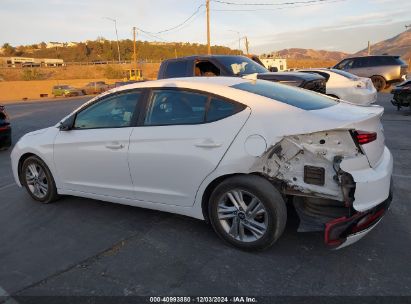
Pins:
x: 32, y: 74
x: 113, y: 72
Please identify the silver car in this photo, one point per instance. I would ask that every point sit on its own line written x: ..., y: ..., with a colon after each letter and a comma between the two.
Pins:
x: 383, y: 70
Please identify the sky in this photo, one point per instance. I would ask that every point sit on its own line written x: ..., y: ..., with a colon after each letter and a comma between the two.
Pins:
x: 334, y: 25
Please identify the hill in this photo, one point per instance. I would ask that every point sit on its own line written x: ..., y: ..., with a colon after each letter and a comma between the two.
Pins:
x: 106, y: 50
x: 299, y: 53
x: 397, y: 45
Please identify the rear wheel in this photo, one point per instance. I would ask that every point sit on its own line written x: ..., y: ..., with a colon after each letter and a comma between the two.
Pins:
x: 378, y: 82
x: 247, y: 212
x: 38, y: 180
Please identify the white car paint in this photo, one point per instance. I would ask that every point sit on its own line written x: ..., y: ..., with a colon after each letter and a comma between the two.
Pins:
x: 168, y: 168
x: 348, y: 87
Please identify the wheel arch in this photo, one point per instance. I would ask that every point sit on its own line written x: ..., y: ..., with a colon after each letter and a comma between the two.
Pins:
x: 22, y: 158
x: 213, y: 184
x: 382, y: 76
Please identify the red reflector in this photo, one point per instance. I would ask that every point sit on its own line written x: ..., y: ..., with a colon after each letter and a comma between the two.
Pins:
x: 364, y: 137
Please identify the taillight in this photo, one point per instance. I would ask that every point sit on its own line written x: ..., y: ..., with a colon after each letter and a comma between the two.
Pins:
x: 364, y: 137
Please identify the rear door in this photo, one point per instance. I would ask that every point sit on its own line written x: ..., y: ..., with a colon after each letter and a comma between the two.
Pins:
x: 181, y: 140
x: 361, y: 67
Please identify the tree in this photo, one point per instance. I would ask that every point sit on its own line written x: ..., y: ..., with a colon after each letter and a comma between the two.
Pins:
x: 8, y: 50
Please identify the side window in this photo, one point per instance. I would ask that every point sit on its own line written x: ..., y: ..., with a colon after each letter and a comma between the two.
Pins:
x: 346, y: 64
x: 176, y: 69
x: 173, y: 107
x: 219, y: 109
x: 207, y: 69
x: 362, y: 62
x: 111, y: 112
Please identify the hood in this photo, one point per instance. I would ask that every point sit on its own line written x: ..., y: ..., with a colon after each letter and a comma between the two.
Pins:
x: 289, y: 76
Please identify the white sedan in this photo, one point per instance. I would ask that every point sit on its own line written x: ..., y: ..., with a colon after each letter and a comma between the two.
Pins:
x: 346, y: 86
x: 229, y: 150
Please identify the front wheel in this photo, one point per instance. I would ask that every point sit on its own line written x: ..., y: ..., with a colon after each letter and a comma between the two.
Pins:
x: 247, y: 212
x: 38, y: 180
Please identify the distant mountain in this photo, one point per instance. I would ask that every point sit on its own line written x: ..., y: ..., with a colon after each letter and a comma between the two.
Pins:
x: 397, y: 45
x: 298, y: 53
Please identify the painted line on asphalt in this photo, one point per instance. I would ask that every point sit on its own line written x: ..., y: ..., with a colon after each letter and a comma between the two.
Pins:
x: 8, y: 299
x: 3, y: 293
x: 401, y: 176
x: 7, y: 186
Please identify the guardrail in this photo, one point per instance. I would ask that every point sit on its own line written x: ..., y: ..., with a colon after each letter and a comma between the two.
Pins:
x: 66, y: 64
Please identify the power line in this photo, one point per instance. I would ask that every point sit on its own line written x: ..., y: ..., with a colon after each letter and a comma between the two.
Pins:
x: 268, y: 4
x: 277, y: 8
x: 180, y: 24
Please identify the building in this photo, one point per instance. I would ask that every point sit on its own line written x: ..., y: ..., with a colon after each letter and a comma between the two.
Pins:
x: 271, y: 62
x: 15, y: 62
x: 53, y: 44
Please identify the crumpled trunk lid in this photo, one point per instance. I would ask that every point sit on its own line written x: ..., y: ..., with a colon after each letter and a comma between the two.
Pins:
x: 362, y: 118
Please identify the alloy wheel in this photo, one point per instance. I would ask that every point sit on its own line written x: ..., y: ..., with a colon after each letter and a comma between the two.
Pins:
x: 36, y: 180
x: 242, y: 215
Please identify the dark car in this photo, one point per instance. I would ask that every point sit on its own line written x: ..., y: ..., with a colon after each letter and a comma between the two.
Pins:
x: 383, y: 70
x: 402, y: 95
x: 5, y: 130
x: 236, y: 66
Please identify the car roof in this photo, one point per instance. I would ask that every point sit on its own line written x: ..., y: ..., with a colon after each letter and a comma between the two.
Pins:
x: 184, y: 81
x: 222, y: 86
x: 205, y: 56
x: 372, y: 56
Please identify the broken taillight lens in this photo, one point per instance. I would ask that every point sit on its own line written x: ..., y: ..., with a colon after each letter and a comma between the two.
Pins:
x: 364, y: 137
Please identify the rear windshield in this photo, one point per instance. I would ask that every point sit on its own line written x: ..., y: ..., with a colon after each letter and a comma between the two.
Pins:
x: 296, y: 97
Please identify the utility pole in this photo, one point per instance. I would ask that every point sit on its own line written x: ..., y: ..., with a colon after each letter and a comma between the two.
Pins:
x: 246, y: 45
x: 208, y: 27
x: 135, y: 51
x: 369, y: 48
x: 118, y: 44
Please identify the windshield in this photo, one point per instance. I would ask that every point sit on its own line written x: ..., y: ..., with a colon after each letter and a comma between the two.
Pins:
x: 241, y: 66
x: 345, y: 74
x: 300, y: 98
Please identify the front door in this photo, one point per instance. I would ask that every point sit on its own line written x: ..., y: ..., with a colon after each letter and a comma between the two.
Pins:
x: 93, y: 156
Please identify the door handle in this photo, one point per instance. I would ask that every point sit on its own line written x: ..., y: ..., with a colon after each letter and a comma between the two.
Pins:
x: 208, y: 143
x: 114, y: 146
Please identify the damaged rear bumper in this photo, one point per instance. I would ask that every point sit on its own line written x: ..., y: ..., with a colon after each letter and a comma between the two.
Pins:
x: 345, y: 231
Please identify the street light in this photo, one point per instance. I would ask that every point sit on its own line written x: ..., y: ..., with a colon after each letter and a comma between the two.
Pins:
x: 239, y: 38
x: 118, y: 45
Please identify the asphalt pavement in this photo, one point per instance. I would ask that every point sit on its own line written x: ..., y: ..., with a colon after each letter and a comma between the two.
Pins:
x: 85, y: 247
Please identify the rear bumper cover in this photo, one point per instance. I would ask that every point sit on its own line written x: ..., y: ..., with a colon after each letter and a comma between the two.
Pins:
x: 344, y: 231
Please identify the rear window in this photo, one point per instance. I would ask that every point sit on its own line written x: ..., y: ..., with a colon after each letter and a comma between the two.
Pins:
x: 176, y: 69
x: 296, y: 97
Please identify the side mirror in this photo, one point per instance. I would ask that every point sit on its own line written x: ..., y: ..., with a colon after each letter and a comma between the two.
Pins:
x: 273, y: 69
x: 67, y: 124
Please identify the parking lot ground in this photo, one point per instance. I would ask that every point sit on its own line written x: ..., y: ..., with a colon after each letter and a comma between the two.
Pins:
x: 85, y: 247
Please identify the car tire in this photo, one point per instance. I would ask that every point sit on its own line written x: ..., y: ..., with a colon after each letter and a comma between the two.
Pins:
x: 378, y: 82
x: 38, y: 180
x: 255, y: 223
